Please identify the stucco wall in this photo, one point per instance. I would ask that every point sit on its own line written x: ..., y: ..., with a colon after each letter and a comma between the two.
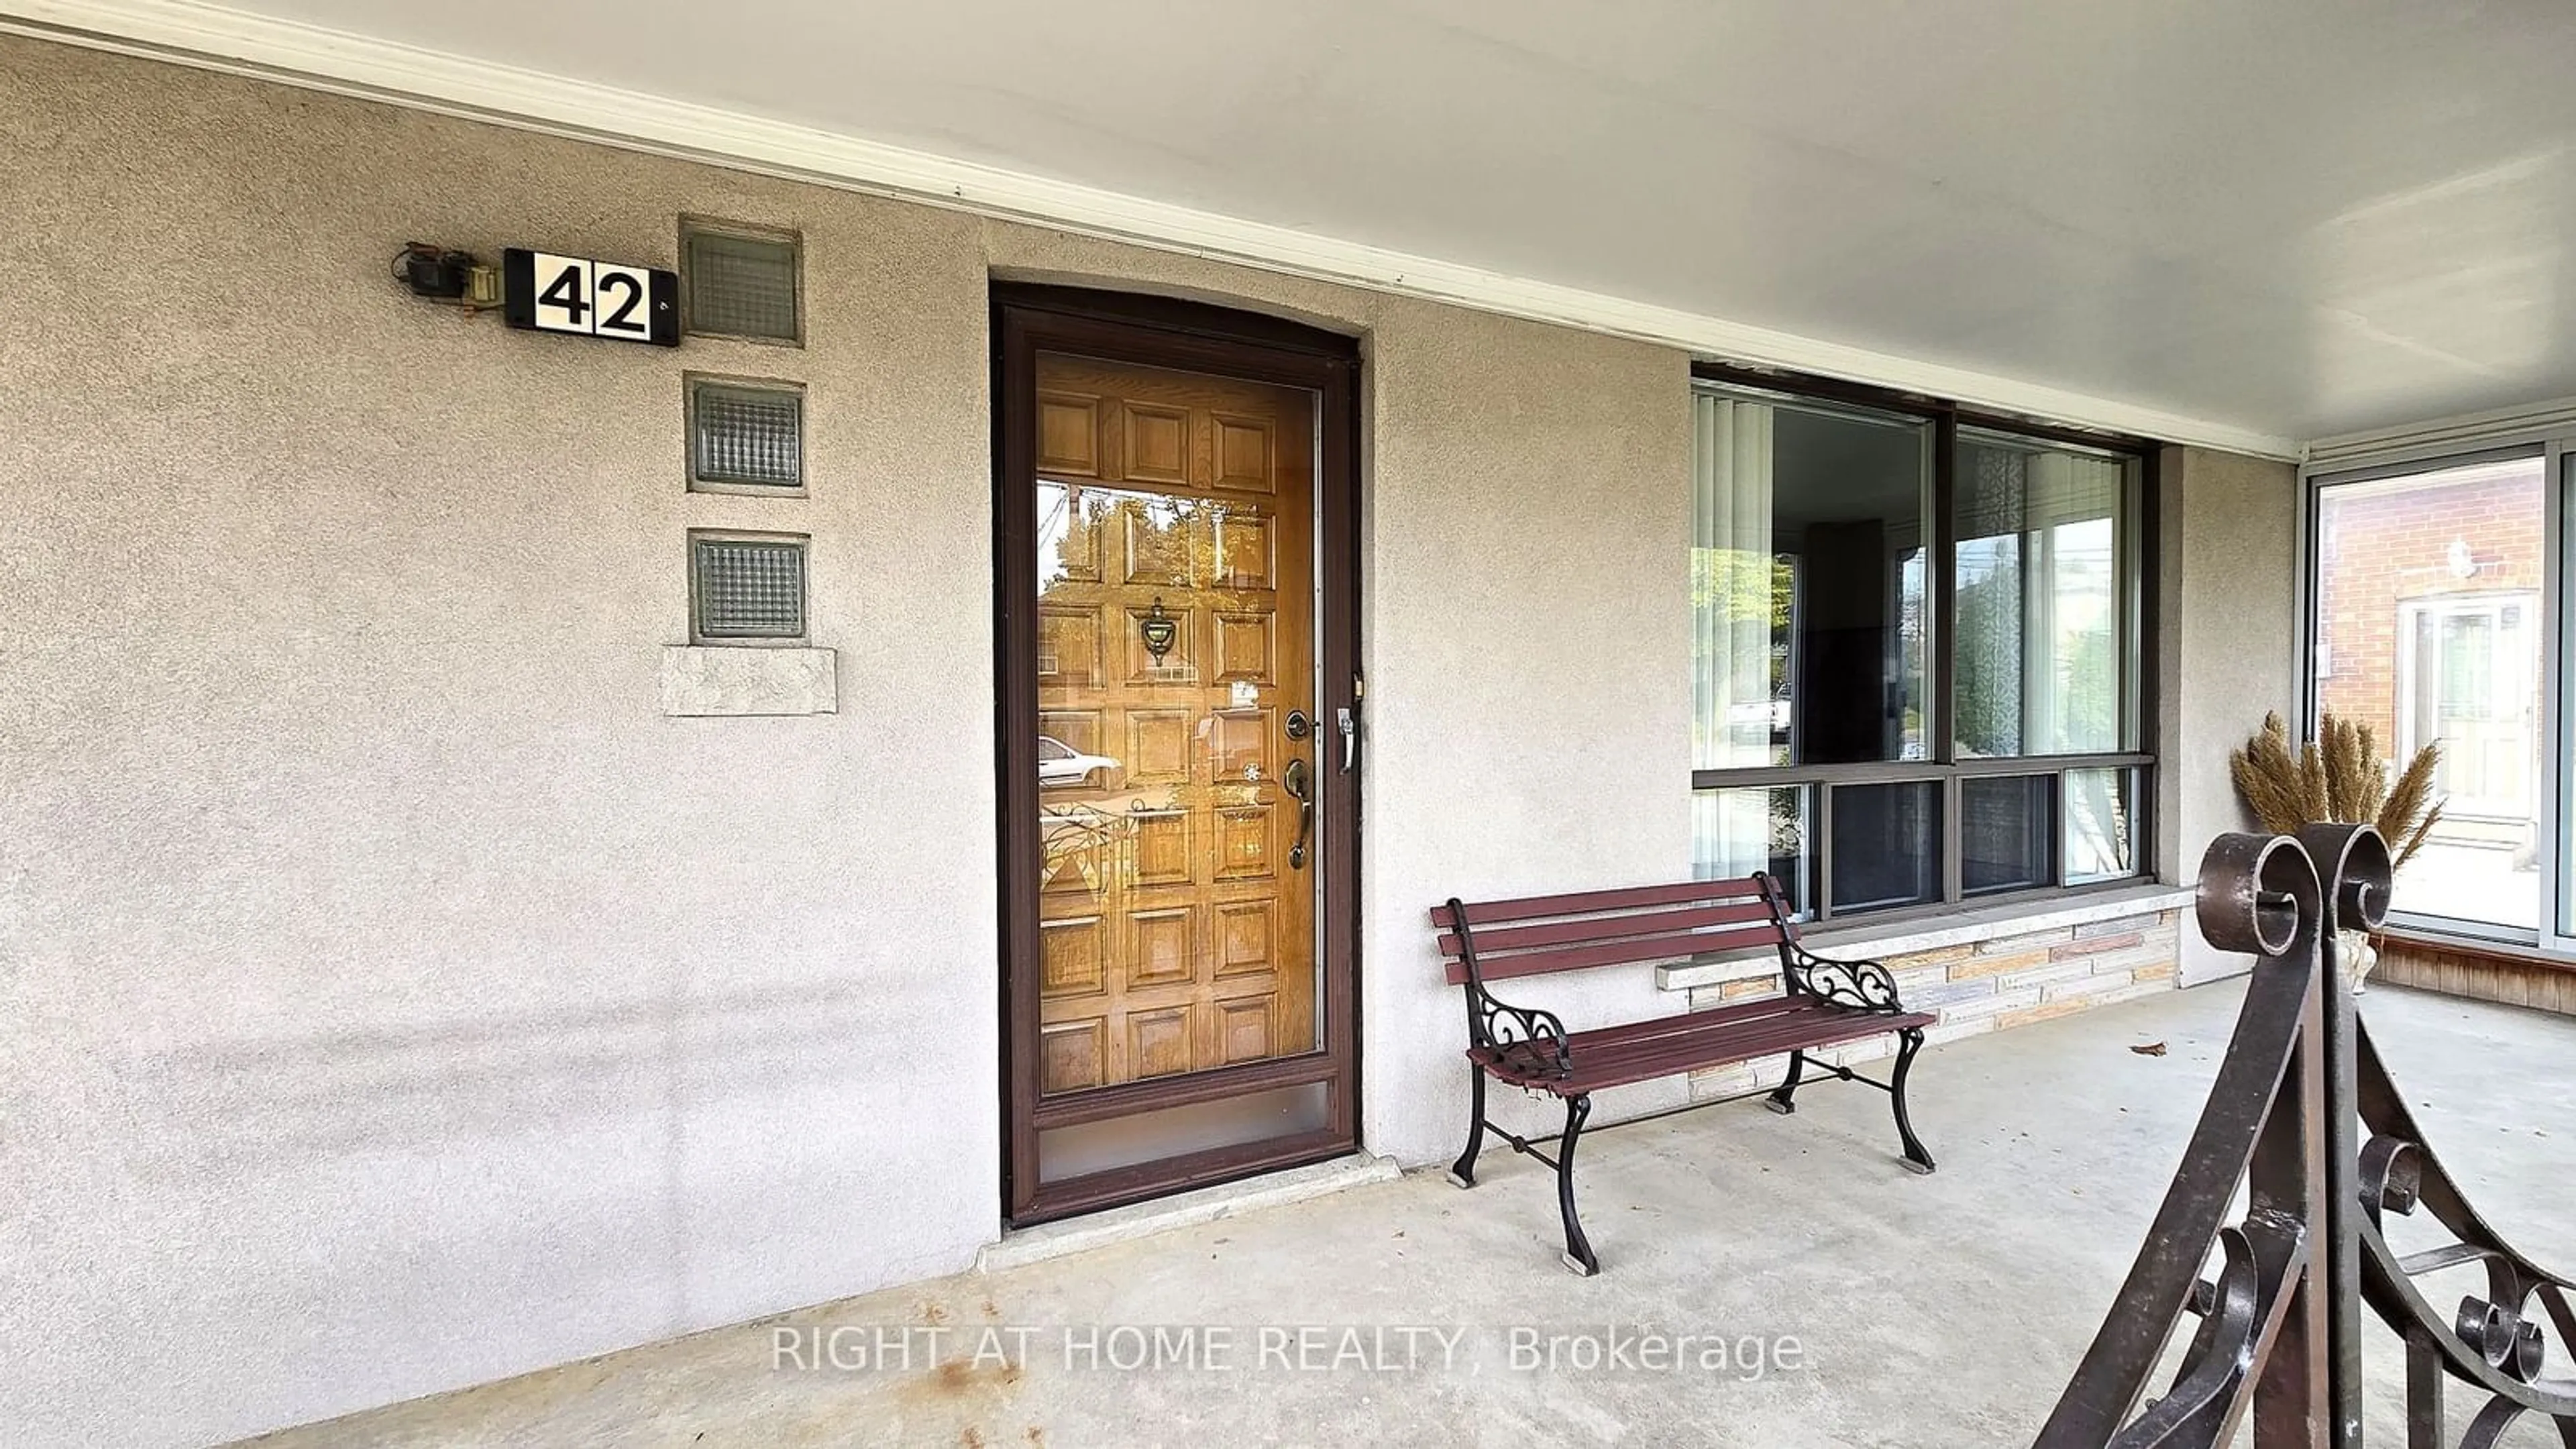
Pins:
x: 391, y: 997
x: 396, y: 998
x: 2228, y: 647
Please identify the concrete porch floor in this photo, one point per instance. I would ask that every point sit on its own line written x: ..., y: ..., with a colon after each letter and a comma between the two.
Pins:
x: 1946, y: 1310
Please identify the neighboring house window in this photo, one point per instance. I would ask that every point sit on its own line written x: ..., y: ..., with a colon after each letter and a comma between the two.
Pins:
x: 2428, y: 592
x: 1916, y: 677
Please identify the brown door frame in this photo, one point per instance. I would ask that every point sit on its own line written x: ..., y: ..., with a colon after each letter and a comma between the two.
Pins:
x: 1190, y: 337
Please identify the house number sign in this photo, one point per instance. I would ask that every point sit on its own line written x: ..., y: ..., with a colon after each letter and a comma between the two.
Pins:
x: 544, y: 292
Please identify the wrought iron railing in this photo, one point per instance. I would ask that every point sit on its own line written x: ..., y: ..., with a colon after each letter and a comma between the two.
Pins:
x: 2304, y: 1118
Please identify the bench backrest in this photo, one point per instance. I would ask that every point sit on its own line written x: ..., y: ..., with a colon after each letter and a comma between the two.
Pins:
x: 1540, y: 934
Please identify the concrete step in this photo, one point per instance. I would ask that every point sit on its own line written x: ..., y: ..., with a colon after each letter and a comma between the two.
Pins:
x: 1022, y: 1246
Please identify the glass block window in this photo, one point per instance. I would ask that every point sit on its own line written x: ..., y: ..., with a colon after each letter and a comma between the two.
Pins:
x: 740, y: 284
x: 747, y: 586
x: 748, y: 435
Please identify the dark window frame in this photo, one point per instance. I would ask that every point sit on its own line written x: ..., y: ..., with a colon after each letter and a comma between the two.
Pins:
x: 1945, y: 767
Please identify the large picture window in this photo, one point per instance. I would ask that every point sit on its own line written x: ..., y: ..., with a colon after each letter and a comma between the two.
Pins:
x: 2039, y: 599
x: 1916, y: 673
x: 2428, y: 596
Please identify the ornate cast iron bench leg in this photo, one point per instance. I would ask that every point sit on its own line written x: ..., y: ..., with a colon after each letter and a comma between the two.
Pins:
x: 1917, y: 1160
x: 1462, y: 1173
x: 1784, y: 1098
x: 1579, y: 1257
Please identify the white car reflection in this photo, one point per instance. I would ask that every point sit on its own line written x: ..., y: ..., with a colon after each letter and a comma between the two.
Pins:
x: 1062, y: 764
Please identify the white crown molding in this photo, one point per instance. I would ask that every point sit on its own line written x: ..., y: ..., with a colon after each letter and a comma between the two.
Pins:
x: 217, y: 38
x: 2501, y: 427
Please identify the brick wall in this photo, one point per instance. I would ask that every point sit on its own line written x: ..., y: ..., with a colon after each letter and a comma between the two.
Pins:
x: 2383, y: 545
x: 1989, y: 985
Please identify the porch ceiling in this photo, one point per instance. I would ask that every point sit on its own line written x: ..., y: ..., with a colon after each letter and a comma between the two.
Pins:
x: 2289, y: 219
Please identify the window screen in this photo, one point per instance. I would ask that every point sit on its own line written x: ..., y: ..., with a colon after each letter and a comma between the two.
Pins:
x: 748, y: 434
x: 747, y: 588
x: 741, y: 286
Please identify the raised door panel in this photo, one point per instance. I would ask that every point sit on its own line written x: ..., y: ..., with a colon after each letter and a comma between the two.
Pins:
x: 1069, y: 434
x: 1239, y: 744
x: 1158, y: 1042
x: 1243, y: 453
x: 1073, y: 1055
x: 1158, y: 443
x: 1241, y: 548
x: 1246, y: 1029
x: 1244, y: 843
x: 1242, y: 652
x: 1159, y: 740
x: 1160, y: 948
x: 1245, y: 936
x: 1162, y: 543
x: 1069, y: 648
x: 1162, y: 847
x: 1177, y: 665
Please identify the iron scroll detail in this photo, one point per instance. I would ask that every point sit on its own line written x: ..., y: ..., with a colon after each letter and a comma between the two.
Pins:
x: 1500, y: 1027
x: 2305, y: 1116
x: 1539, y: 1034
x: 1860, y: 985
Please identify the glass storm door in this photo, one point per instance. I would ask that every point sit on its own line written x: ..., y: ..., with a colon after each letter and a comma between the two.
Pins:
x: 1177, y: 1029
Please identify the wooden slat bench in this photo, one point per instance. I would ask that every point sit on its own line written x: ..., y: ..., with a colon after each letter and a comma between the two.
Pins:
x: 1822, y: 1003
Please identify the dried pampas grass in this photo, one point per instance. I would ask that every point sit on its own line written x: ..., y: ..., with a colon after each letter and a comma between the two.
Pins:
x: 2341, y: 777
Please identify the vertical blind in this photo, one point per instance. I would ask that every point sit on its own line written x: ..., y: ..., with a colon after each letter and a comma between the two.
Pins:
x: 1732, y: 569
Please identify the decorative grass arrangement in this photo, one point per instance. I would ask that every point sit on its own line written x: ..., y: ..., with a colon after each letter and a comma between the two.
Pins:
x: 2341, y: 777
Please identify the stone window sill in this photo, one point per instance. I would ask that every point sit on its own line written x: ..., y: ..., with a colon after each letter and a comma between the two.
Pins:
x: 716, y: 680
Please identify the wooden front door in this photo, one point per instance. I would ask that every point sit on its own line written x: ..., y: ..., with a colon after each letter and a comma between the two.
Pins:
x: 1176, y: 909
x: 1178, y: 1003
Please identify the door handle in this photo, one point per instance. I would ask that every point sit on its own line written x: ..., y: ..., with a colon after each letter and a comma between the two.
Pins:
x: 1294, y: 780
x: 1350, y: 727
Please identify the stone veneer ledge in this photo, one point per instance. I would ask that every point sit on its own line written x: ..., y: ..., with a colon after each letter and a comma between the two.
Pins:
x: 1932, y: 933
x: 1986, y: 972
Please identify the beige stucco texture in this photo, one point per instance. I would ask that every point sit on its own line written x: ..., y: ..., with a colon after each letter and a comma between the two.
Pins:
x: 394, y: 996
x: 2230, y: 648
